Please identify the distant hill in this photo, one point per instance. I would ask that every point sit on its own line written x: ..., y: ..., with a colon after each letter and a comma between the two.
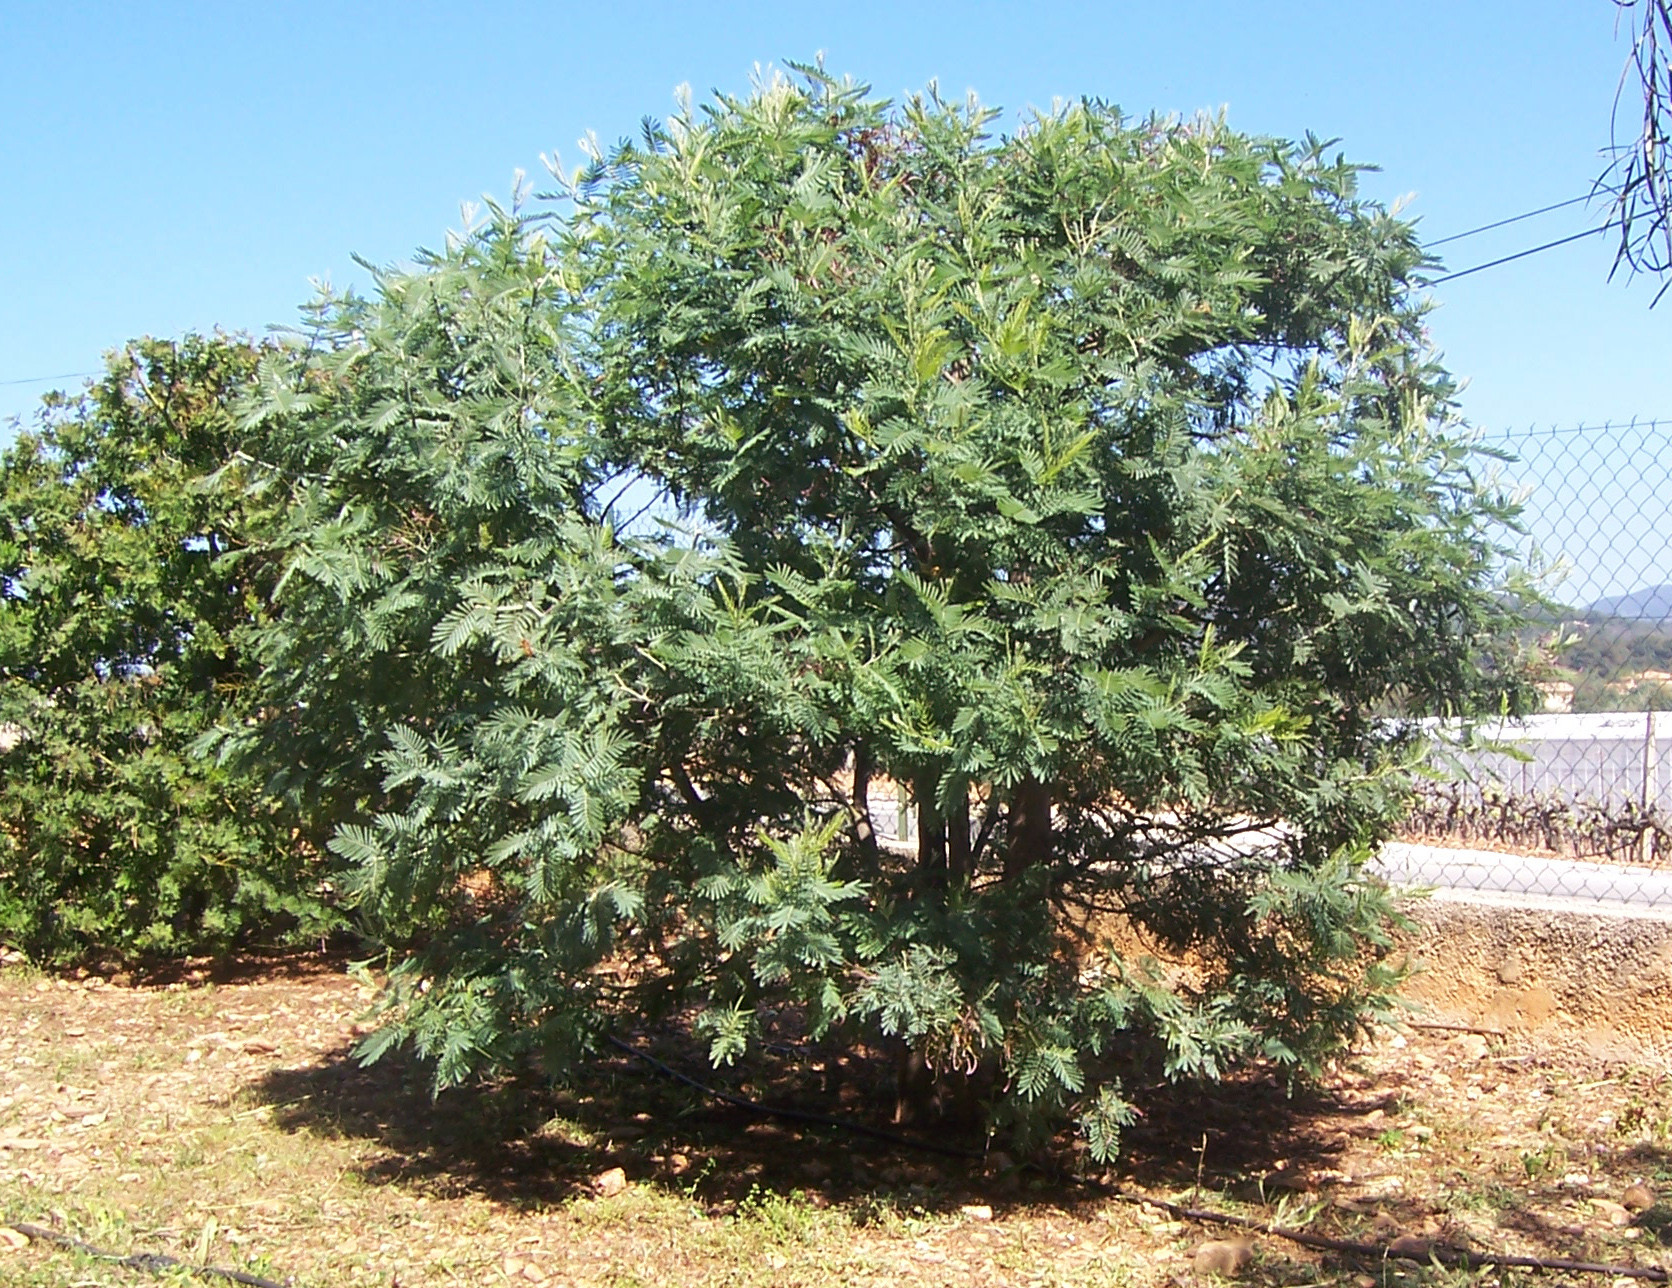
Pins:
x: 1651, y: 604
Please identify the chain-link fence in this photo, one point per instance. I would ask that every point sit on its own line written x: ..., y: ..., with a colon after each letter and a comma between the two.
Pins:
x: 1576, y: 802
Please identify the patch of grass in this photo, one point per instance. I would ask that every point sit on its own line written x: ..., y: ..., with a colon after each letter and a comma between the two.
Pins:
x: 1538, y: 1164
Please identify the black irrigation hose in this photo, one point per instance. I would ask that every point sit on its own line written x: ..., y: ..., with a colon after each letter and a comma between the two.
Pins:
x: 794, y: 1115
x: 1416, y: 1250
x: 151, y: 1262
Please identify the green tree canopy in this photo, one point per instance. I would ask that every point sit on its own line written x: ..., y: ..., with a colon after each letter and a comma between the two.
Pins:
x: 1095, y: 483
x: 122, y: 580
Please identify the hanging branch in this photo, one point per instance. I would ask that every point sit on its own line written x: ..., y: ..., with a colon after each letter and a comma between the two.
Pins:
x: 1638, y: 169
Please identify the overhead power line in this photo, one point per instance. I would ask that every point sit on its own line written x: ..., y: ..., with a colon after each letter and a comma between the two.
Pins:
x: 1515, y: 219
x: 1535, y: 250
x: 41, y: 380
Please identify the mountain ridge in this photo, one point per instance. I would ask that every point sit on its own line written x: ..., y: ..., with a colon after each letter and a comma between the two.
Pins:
x: 1647, y: 604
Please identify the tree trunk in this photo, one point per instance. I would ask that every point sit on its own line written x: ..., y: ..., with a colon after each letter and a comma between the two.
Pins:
x: 864, y: 832
x: 914, y: 1087
x: 931, y: 837
x: 1030, y: 827
x: 958, y: 864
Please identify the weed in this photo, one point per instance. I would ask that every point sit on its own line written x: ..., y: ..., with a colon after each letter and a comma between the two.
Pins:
x: 1543, y: 1162
x: 787, y: 1218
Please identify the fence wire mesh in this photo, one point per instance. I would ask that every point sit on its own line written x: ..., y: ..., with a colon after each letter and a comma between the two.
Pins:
x: 1574, y: 803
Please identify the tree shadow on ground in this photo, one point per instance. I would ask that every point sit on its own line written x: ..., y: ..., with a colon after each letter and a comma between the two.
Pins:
x: 522, y: 1142
x: 250, y: 966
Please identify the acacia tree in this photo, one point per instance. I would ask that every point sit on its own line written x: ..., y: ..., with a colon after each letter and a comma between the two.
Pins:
x: 1094, y: 483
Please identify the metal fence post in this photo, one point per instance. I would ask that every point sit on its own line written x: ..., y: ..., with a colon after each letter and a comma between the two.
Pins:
x: 1651, y: 787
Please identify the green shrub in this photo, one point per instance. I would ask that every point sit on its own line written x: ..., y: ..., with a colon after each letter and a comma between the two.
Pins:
x: 122, y: 578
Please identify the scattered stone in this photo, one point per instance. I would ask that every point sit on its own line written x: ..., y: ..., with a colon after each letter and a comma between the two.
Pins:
x: 1411, y: 1247
x: 1001, y: 1166
x: 1470, y: 1046
x: 259, y: 1046
x: 1365, y: 1281
x: 513, y: 1267
x: 1226, y: 1258
x: 534, y: 1274
x: 1638, y: 1198
x: 1384, y: 1226
x: 21, y: 1143
x: 609, y: 1183
x: 1615, y: 1212
x: 976, y: 1212
x: 1576, y: 1181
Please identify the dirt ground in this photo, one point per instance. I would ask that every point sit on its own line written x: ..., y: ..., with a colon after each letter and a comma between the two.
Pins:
x: 222, y: 1119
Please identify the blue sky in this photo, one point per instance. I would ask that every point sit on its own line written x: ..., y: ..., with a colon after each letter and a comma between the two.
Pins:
x: 176, y: 166
x: 180, y: 166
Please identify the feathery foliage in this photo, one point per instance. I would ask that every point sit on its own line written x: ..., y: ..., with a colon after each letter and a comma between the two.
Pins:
x: 1094, y: 483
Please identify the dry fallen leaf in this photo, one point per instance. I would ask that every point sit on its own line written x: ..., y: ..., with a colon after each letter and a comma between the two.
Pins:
x: 13, y: 1240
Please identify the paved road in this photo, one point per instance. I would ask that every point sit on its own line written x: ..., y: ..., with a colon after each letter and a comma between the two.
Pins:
x: 1489, y: 876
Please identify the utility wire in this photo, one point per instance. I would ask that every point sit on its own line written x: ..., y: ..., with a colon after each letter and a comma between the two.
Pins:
x: 1515, y: 219
x: 41, y: 380
x: 1535, y: 250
